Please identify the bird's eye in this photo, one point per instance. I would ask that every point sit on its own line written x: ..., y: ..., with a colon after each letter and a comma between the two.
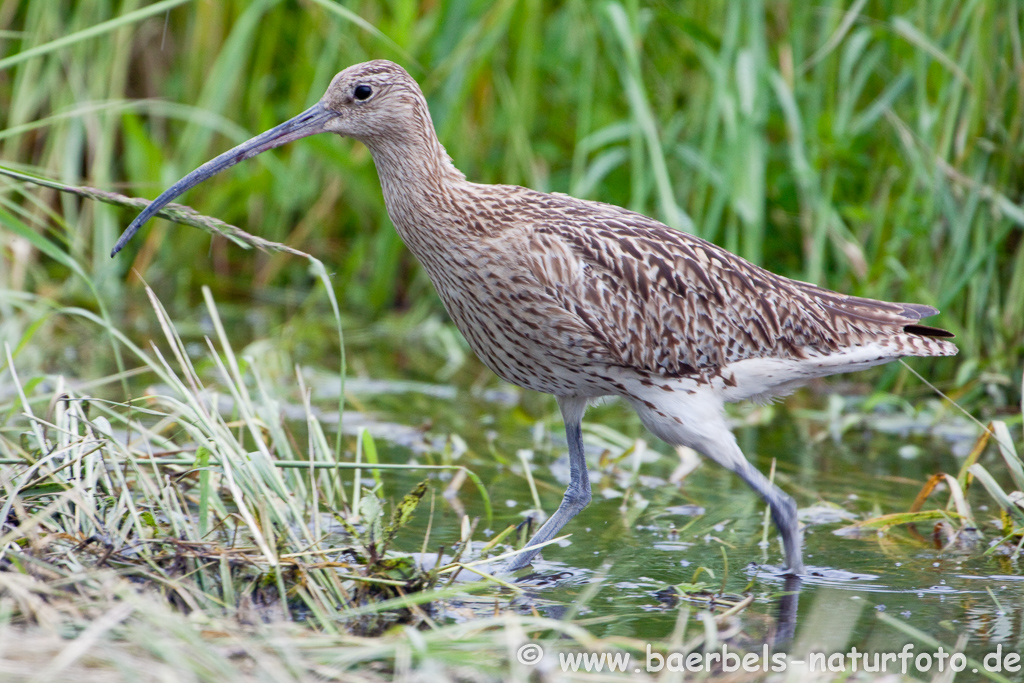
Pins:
x: 362, y: 92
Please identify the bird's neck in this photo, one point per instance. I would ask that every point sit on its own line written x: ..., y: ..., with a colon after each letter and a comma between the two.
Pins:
x: 419, y: 182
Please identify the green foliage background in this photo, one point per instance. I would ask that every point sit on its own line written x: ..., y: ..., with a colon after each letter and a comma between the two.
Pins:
x: 873, y: 147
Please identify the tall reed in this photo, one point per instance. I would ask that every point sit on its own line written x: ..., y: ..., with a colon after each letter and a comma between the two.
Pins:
x: 872, y: 147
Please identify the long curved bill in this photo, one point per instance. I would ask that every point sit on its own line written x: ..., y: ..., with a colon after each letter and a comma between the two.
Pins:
x: 305, y: 124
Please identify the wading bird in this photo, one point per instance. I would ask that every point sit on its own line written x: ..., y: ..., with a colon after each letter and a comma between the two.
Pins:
x: 582, y: 300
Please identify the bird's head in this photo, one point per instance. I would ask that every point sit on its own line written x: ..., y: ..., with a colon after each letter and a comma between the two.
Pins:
x: 371, y: 101
x: 377, y: 99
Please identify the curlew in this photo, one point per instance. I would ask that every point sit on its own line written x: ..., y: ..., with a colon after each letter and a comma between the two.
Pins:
x: 582, y: 300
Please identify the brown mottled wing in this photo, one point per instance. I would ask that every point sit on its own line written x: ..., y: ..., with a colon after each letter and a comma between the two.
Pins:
x: 669, y: 303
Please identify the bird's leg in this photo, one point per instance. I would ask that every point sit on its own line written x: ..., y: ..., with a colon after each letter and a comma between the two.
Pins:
x: 577, y: 496
x: 783, y: 510
x: 698, y: 420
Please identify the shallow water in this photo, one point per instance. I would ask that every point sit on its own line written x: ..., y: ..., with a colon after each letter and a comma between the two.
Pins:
x: 645, y: 533
x: 944, y: 594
